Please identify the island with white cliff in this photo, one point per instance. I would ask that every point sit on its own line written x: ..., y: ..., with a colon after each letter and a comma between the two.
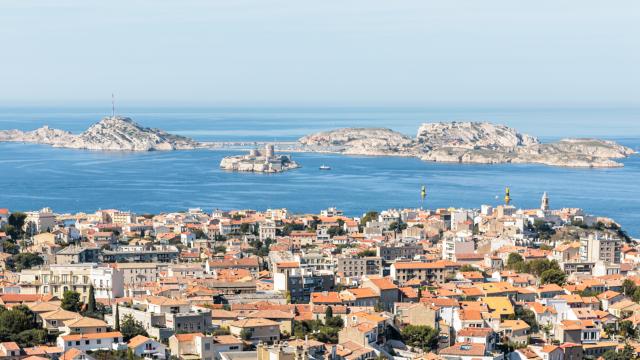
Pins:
x: 113, y: 133
x: 467, y: 142
x: 458, y: 142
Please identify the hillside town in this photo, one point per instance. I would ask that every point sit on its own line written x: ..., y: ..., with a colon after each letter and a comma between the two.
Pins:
x: 494, y: 283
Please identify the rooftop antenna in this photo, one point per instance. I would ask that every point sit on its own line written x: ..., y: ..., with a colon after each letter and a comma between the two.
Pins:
x: 113, y: 106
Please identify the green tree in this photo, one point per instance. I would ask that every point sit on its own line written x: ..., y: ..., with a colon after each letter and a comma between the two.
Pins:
x: 626, y: 329
x: 627, y: 353
x: 513, y: 260
x: 543, y: 229
x: 71, y: 301
x: 91, y: 304
x: 131, y: 328
x: 13, y: 322
x: 527, y: 316
x: 15, y: 225
x: 10, y: 247
x: 371, y: 215
x: 420, y: 336
x: 246, y: 334
x: 553, y: 276
x: 367, y: 253
x: 328, y: 313
x: 335, y: 231
x: 117, y: 318
x: 628, y: 287
x: 21, y: 261
x: 334, y: 322
x: 468, y: 268
x: 245, y: 228
x: 30, y: 337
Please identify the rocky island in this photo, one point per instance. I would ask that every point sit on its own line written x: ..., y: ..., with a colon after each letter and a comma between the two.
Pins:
x: 113, y: 133
x: 467, y: 142
x: 259, y: 161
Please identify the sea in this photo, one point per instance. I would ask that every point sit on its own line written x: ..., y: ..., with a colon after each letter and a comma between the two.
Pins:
x: 36, y: 176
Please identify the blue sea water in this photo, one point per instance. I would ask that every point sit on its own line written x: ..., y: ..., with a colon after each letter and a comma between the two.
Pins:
x: 35, y: 176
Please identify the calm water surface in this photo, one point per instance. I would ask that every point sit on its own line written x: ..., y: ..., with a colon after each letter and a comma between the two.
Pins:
x: 34, y: 176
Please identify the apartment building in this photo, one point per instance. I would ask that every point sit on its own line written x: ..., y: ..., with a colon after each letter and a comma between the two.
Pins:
x: 56, y: 279
x: 600, y: 247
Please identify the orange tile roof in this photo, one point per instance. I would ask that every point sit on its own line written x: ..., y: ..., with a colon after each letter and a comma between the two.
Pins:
x: 383, y: 284
x: 330, y: 297
x: 187, y: 337
x: 137, y: 341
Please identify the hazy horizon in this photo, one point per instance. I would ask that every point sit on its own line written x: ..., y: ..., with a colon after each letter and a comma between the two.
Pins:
x: 330, y: 53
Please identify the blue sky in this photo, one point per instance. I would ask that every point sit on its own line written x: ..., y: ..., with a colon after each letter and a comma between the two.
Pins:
x: 365, y: 52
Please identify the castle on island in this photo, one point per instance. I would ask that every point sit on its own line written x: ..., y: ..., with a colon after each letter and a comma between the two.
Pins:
x: 256, y: 160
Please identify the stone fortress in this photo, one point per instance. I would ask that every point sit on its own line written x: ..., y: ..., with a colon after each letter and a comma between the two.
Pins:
x: 265, y: 161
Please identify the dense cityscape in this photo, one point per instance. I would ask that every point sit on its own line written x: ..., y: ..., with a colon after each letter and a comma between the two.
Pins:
x: 490, y: 283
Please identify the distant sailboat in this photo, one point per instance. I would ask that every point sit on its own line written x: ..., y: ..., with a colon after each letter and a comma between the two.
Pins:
x: 325, y: 167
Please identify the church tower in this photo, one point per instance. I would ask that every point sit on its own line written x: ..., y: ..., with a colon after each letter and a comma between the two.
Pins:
x: 544, y: 205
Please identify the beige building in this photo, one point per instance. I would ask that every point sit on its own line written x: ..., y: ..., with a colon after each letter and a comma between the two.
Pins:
x: 599, y: 246
x: 437, y: 271
x: 257, y: 330
x: 416, y: 314
x: 39, y: 221
x: 358, y: 267
x: 191, y: 346
x: 280, y: 352
x: 139, y: 273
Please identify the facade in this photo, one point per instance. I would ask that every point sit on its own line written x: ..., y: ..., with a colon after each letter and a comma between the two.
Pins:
x: 146, y: 347
x: 77, y: 255
x: 402, y: 272
x: 56, y: 279
x: 40, y: 221
x: 392, y: 253
x: 139, y: 273
x: 300, y: 284
x: 91, y: 342
x: 600, y: 247
x: 256, y: 330
x: 458, y: 243
x: 358, y: 267
x: 142, y: 253
x: 192, y: 346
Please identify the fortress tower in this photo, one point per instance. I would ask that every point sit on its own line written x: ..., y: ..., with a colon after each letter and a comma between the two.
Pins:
x: 268, y: 151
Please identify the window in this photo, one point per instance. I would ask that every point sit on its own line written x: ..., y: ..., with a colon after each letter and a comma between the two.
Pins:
x: 207, y: 346
x: 69, y: 343
x: 99, y: 341
x: 86, y: 342
x: 78, y: 343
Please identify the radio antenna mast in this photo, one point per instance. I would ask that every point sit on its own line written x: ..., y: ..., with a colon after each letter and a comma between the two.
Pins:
x: 113, y: 106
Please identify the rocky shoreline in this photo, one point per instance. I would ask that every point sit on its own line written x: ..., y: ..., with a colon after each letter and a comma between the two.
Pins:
x: 454, y: 142
x: 109, y: 134
x: 468, y: 142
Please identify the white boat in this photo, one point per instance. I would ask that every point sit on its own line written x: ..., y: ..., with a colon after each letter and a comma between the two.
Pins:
x: 325, y: 167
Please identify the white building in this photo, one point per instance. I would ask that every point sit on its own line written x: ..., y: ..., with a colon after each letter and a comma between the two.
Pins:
x: 92, y: 342
x: 458, y: 243
x: 40, y: 221
x: 56, y: 279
